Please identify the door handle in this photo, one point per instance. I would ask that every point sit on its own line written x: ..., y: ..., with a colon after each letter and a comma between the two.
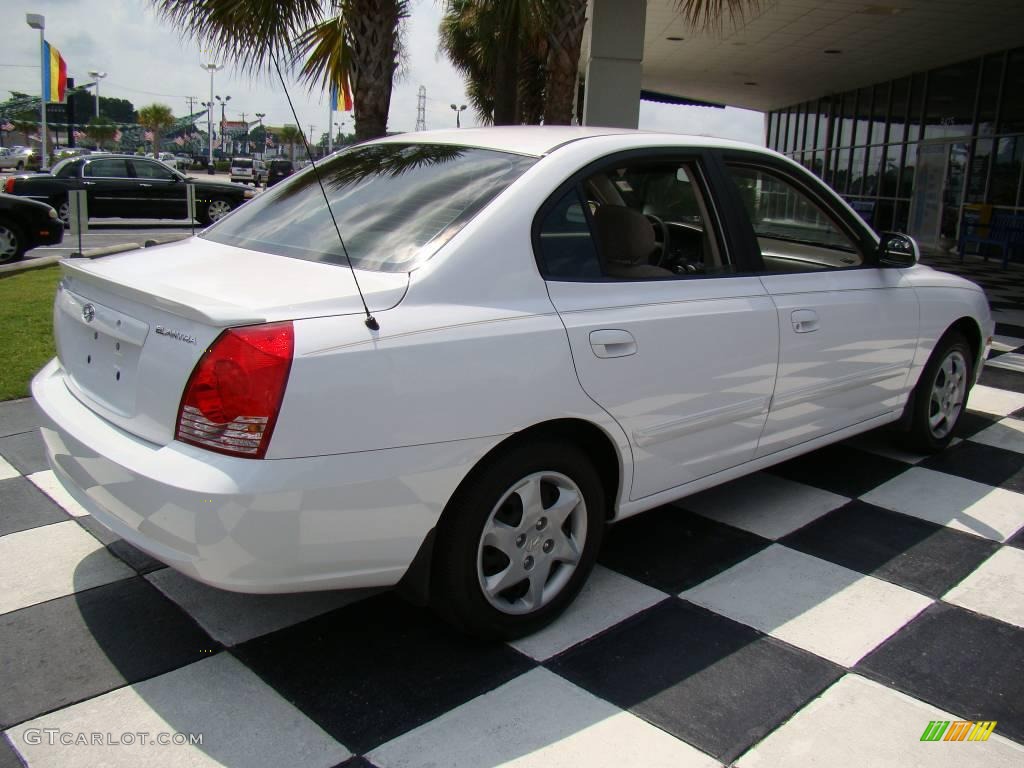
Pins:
x: 88, y: 183
x: 612, y: 342
x: 804, y: 320
x: 145, y: 185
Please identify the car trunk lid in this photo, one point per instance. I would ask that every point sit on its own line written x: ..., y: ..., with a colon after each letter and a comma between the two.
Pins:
x: 131, y: 327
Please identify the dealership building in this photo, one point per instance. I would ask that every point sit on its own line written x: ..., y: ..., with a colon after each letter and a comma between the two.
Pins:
x: 913, y: 110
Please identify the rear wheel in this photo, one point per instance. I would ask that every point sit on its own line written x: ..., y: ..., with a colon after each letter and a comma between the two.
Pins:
x: 940, y: 396
x: 518, y: 541
x: 21, y: 165
x: 12, y: 242
x: 216, y: 210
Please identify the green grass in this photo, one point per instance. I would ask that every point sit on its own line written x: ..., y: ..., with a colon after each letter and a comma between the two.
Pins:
x: 26, y: 327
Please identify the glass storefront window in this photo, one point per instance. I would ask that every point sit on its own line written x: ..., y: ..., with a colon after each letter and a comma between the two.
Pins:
x: 907, y: 175
x: 822, y: 139
x: 883, y: 215
x: 791, y: 133
x: 856, y: 172
x: 898, y: 112
x: 862, y: 133
x: 1011, y: 116
x: 773, y: 118
x: 873, y: 171
x: 879, y: 112
x: 811, y: 130
x: 841, y: 177
x: 1006, y: 171
x: 849, y: 115
x: 991, y: 77
x: 915, y: 106
x: 890, y: 170
x: 902, y: 216
x: 979, y: 170
x: 951, y: 94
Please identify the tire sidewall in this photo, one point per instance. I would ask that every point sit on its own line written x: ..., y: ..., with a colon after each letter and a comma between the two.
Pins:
x: 455, y: 587
x: 921, y: 434
x: 20, y: 244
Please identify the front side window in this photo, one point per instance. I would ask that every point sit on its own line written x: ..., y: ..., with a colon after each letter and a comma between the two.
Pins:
x: 395, y: 205
x: 793, y: 232
x: 114, y: 168
x: 146, y: 170
x: 634, y: 221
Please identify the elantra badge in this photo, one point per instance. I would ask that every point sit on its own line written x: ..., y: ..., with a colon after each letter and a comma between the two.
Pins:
x: 175, y: 334
x: 88, y: 313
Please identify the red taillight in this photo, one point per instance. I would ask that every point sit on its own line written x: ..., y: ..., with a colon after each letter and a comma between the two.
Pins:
x: 232, y: 399
x: 9, y: 185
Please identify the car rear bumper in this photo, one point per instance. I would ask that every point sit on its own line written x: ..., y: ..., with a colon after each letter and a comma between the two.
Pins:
x: 49, y: 233
x: 283, y: 525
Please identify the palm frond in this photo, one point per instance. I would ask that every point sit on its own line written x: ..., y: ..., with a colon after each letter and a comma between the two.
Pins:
x: 327, y: 54
x: 708, y: 15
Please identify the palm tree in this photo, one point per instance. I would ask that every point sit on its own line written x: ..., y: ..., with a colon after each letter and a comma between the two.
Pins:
x: 291, y: 136
x: 101, y: 130
x: 353, y: 40
x: 156, y: 118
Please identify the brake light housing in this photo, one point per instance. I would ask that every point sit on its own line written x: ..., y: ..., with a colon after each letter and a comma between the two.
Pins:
x: 232, y: 399
x: 9, y: 185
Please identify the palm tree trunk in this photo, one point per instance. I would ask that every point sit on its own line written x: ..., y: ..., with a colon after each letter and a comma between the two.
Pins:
x: 372, y: 26
x: 564, y: 43
x: 506, y: 75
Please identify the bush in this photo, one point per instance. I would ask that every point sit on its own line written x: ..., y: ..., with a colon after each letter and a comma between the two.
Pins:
x: 222, y: 165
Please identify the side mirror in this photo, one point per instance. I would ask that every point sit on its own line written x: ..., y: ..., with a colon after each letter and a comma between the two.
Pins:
x: 897, y: 250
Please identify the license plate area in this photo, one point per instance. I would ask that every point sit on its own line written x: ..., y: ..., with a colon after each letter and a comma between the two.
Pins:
x: 99, y: 348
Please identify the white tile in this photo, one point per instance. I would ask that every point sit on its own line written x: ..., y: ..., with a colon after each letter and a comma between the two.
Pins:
x: 232, y: 617
x: 858, y: 723
x: 242, y: 720
x: 538, y: 719
x: 6, y: 470
x: 1006, y: 343
x: 764, y: 504
x: 821, y: 607
x: 999, y: 402
x: 995, y: 588
x: 606, y: 599
x: 48, y: 483
x: 992, y: 513
x: 1007, y: 434
x: 52, y: 561
x: 1011, y: 361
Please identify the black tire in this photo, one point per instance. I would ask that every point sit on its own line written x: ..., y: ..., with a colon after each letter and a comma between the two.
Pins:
x: 21, y: 165
x: 63, y: 208
x: 460, y: 557
x: 12, y: 242
x: 953, y: 352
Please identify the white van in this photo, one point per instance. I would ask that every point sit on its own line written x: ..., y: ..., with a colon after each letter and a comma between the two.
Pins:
x: 248, y: 170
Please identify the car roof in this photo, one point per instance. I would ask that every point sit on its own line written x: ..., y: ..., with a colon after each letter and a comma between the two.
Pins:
x: 540, y: 140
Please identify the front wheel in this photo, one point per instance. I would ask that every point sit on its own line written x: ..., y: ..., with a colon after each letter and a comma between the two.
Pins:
x: 518, y: 541
x: 64, y: 212
x: 12, y: 242
x: 940, y: 396
x: 216, y: 210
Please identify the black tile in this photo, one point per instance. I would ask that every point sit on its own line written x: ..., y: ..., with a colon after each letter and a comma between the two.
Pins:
x: 23, y: 506
x: 972, y: 422
x: 1006, y: 329
x: 981, y: 463
x: 369, y: 672
x: 904, y: 550
x: 962, y: 662
x: 8, y: 757
x: 134, y: 558
x: 25, y: 452
x: 1002, y: 378
x: 715, y: 683
x: 672, y: 549
x: 356, y: 762
x: 1017, y: 540
x: 18, y: 416
x: 841, y: 469
x: 73, y: 648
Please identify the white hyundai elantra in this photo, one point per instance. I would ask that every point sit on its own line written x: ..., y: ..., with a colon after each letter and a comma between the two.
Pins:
x: 562, y: 328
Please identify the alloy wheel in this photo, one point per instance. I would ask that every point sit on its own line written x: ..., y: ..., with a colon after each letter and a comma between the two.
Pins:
x: 218, y: 209
x: 8, y: 244
x: 532, y: 543
x: 947, y: 396
x: 64, y: 212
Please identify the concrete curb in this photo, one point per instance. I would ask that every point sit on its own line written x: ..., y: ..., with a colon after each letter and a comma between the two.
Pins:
x: 25, y: 266
x: 92, y: 253
x: 107, y: 250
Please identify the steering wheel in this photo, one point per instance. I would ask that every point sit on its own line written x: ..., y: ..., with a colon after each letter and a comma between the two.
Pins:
x: 660, y: 237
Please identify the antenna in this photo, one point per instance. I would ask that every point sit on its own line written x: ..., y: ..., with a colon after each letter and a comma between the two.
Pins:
x: 421, y: 109
x: 371, y: 321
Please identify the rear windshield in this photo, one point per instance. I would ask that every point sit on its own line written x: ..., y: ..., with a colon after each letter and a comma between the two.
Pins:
x: 241, y: 163
x: 395, y: 204
x: 281, y: 165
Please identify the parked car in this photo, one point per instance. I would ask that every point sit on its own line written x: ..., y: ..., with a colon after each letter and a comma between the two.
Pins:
x: 248, y: 170
x: 127, y: 186
x: 25, y: 224
x: 169, y: 159
x: 18, y: 158
x: 277, y: 170
x: 562, y: 327
x: 184, y: 162
x: 65, y: 152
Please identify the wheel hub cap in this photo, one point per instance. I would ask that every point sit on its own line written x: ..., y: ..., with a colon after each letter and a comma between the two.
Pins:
x: 947, y: 396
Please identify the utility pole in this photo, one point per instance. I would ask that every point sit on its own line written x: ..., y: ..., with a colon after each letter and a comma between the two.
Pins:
x: 246, y: 135
x: 309, y: 140
x: 211, y: 68
x: 421, y: 109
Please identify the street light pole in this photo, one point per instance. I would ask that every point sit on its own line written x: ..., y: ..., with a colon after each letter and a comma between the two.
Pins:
x: 263, y: 134
x: 211, y: 68
x: 38, y: 21
x: 458, y: 113
x: 223, y: 105
x: 99, y: 76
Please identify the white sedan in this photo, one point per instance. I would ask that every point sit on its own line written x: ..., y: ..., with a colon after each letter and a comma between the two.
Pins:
x: 562, y: 327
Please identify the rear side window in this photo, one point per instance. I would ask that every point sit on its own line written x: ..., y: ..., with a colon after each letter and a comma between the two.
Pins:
x: 115, y: 168
x: 241, y: 163
x: 395, y: 204
x: 567, y: 250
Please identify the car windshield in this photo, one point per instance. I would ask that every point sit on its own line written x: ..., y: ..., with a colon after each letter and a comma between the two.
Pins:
x: 241, y: 163
x: 395, y: 205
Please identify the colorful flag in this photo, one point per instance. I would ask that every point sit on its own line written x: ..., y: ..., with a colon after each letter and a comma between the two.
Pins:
x: 180, y: 141
x: 117, y: 135
x: 147, y: 136
x: 55, y: 73
x: 6, y: 126
x: 270, y: 140
x: 346, y: 95
x: 79, y: 135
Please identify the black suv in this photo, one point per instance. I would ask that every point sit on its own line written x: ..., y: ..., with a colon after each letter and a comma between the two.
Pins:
x: 279, y: 169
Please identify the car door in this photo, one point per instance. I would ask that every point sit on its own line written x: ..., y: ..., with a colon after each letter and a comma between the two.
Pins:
x: 666, y: 333
x: 110, y: 188
x: 847, y: 327
x: 161, y: 191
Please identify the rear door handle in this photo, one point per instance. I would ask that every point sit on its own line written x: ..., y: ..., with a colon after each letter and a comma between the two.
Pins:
x: 145, y: 185
x: 804, y: 320
x: 612, y: 342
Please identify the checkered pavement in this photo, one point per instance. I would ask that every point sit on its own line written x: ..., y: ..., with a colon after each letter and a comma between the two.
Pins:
x: 818, y: 613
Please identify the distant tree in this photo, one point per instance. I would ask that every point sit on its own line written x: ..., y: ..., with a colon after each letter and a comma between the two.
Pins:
x: 118, y: 110
x: 101, y: 130
x: 156, y: 118
x: 291, y: 136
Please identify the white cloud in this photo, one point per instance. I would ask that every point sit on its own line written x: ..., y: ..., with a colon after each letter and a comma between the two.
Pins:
x: 146, y: 61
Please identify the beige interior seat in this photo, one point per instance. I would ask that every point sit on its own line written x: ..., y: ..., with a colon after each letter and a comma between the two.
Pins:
x: 625, y: 243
